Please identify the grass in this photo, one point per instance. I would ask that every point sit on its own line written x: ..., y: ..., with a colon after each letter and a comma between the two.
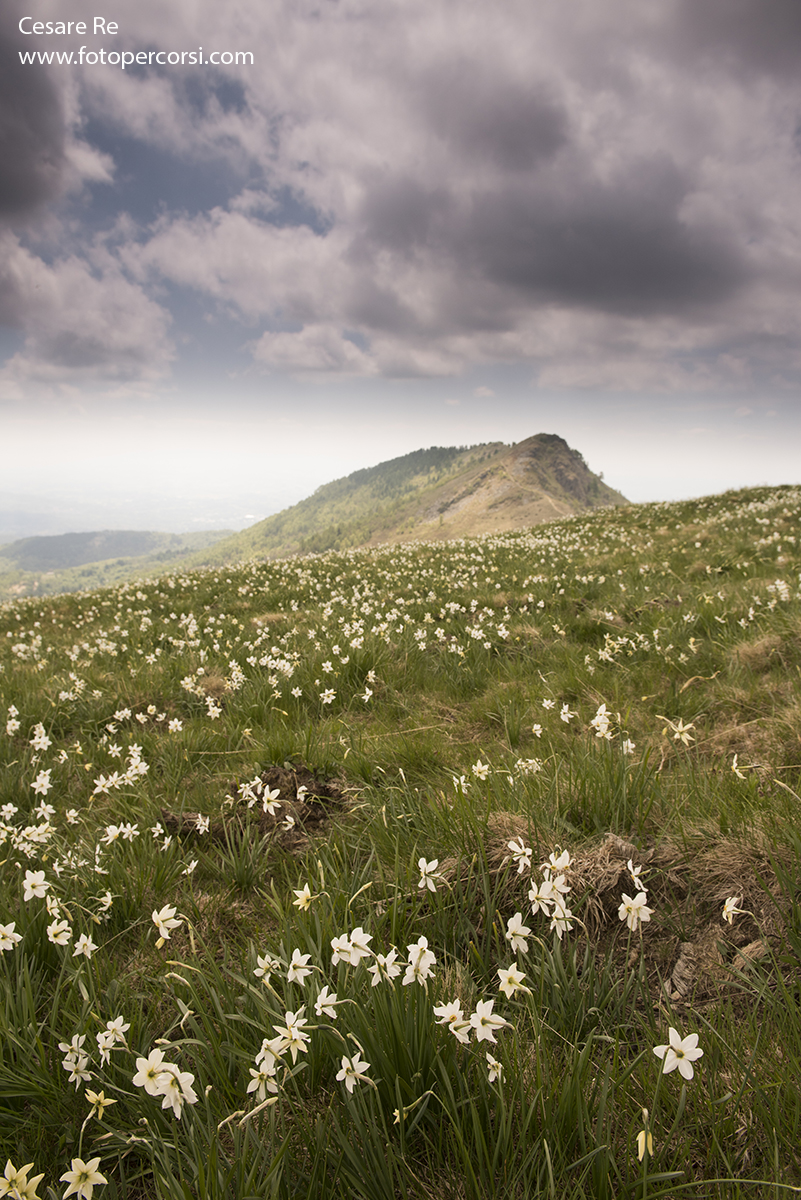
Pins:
x: 622, y: 686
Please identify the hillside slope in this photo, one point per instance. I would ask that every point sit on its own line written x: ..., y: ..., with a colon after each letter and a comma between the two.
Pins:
x: 436, y: 494
x: 79, y: 561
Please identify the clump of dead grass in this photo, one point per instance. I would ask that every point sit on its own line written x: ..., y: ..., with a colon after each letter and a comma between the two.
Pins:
x: 690, y: 880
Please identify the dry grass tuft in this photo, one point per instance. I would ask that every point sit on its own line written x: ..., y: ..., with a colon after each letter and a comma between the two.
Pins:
x: 270, y: 618
x: 760, y: 654
x: 307, y: 809
x: 689, y: 883
x: 214, y: 686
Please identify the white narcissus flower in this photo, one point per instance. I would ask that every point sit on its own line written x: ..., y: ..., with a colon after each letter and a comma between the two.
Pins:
x: 59, y: 932
x: 485, y: 1022
x: 384, y: 967
x: 681, y: 732
x: 261, y: 1082
x: 14, y: 1182
x: 635, y: 873
x: 105, y: 1044
x: 176, y: 1089
x: 303, y: 898
x: 271, y: 1051
x: 542, y: 896
x: 521, y: 854
x: 149, y: 1071
x: 270, y: 801
x: 730, y: 909
x: 82, y: 1178
x: 85, y: 946
x: 341, y: 947
x: 42, y: 784
x: 34, y: 885
x: 557, y: 862
x: 266, y: 966
x: 40, y: 740
x: 118, y: 1028
x: 77, y: 1067
x: 634, y: 911
x: 494, y: 1068
x: 99, y: 1103
x: 293, y: 1034
x: 428, y: 873
x: 517, y: 932
x: 480, y: 769
x: 681, y: 1053
x: 352, y: 1070
x: 297, y: 968
x: 8, y: 938
x: 165, y: 921
x: 561, y: 918
x: 421, y: 962
x: 358, y: 945
x: 452, y: 1016
x: 511, y: 980
x: 324, y: 1004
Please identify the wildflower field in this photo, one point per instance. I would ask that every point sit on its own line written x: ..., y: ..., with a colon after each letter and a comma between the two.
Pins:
x: 466, y: 869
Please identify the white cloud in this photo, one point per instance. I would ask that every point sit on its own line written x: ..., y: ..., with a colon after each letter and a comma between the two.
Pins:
x: 317, y: 350
x: 79, y: 323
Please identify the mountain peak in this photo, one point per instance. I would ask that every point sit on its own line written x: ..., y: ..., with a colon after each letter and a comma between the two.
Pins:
x: 433, y: 494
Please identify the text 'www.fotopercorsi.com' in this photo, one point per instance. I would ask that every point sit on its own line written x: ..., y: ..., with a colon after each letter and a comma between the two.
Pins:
x: 85, y: 55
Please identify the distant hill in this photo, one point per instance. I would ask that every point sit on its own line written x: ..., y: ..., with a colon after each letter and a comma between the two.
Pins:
x: 77, y: 561
x: 435, y: 494
x: 442, y: 492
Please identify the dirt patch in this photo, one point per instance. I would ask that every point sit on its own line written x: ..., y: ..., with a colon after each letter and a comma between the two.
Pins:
x: 756, y: 743
x: 690, y: 951
x: 761, y: 654
x: 270, y: 618
x: 288, y: 802
x: 214, y: 686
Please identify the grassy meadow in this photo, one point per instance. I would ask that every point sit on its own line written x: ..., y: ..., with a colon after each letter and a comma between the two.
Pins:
x: 385, y: 873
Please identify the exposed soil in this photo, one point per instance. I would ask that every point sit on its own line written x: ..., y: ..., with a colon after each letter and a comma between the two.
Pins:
x: 303, y: 803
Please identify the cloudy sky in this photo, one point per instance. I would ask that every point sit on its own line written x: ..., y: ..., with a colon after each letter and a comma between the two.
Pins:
x: 392, y: 224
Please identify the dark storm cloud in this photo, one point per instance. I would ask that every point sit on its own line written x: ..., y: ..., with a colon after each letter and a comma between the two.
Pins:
x: 403, y: 215
x: 618, y: 248
x: 557, y: 237
x: 31, y: 129
x: 760, y: 35
x: 507, y: 123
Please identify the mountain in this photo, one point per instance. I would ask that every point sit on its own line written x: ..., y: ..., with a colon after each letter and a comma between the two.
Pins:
x: 77, y: 561
x: 434, y: 494
x: 442, y: 492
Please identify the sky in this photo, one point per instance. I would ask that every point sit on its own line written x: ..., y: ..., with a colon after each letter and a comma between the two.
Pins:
x: 247, y: 248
